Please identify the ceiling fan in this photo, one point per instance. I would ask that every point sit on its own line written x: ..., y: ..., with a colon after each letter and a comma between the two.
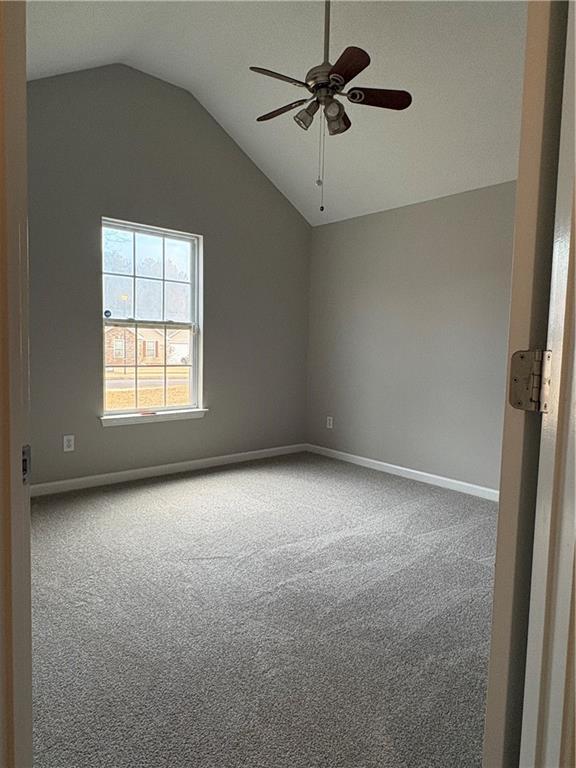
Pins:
x: 326, y: 81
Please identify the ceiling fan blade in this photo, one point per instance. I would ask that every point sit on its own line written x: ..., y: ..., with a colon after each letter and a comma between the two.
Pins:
x: 352, y: 61
x: 380, y: 97
x: 278, y: 76
x: 281, y: 110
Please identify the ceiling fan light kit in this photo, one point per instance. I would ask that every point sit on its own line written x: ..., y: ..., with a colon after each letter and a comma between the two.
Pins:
x: 305, y: 117
x: 338, y: 125
x: 337, y: 121
x: 325, y: 82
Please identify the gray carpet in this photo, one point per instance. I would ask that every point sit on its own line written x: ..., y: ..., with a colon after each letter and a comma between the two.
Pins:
x: 293, y: 613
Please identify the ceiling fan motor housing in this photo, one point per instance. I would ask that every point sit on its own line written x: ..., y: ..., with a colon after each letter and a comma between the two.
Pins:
x: 319, y: 77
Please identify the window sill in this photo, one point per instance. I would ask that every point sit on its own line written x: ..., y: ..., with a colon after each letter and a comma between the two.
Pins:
x: 117, y: 420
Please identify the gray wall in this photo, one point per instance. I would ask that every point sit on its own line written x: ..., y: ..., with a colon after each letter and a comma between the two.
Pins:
x: 407, y: 309
x: 408, y: 332
x: 115, y: 142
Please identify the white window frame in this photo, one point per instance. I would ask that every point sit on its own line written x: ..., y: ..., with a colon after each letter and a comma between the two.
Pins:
x: 162, y: 413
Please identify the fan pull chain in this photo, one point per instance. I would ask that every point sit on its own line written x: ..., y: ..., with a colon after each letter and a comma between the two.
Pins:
x: 321, y: 160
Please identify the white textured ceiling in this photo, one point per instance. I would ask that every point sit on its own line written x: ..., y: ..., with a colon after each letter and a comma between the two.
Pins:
x: 462, y: 61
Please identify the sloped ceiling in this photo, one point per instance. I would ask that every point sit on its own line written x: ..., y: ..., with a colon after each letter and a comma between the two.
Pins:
x: 462, y: 61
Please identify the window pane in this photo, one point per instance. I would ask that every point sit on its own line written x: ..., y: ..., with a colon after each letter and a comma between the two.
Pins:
x: 148, y: 255
x: 150, y: 346
x: 117, y: 248
x: 119, y: 345
x: 177, y: 302
x: 118, y: 299
x: 119, y: 389
x: 150, y: 389
x: 178, y: 386
x: 177, y: 260
x: 149, y: 304
x: 148, y: 299
x: 178, y: 346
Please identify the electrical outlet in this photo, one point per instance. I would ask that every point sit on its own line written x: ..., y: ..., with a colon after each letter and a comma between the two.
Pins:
x: 329, y: 422
x: 68, y: 443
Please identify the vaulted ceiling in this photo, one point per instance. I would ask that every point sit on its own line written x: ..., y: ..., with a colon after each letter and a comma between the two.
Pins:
x: 462, y: 61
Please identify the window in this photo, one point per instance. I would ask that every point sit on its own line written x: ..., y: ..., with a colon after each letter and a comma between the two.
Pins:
x: 151, y: 319
x: 119, y: 349
x: 150, y: 348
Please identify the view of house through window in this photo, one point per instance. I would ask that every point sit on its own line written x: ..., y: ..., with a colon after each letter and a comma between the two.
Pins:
x: 150, y: 280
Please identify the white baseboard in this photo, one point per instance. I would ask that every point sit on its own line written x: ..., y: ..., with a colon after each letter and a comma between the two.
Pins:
x: 413, y: 474
x: 111, y: 478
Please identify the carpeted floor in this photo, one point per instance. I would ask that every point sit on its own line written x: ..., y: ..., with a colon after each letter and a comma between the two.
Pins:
x: 292, y: 613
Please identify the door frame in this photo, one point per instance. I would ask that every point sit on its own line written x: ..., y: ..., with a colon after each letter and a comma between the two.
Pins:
x: 15, y: 611
x: 553, y: 559
x: 529, y: 311
x: 532, y: 257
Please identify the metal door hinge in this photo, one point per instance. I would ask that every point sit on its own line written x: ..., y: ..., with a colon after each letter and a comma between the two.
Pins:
x: 26, y: 463
x: 530, y: 379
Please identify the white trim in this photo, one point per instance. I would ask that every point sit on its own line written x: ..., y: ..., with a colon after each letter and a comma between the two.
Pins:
x: 198, y: 337
x: 413, y: 474
x: 195, y: 325
x: 111, y: 478
x: 131, y: 226
x: 527, y: 321
x: 548, y: 650
x: 123, y: 419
